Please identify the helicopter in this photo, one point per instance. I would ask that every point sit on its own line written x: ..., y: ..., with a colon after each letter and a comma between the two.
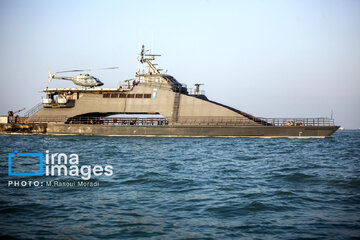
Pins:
x: 85, y: 80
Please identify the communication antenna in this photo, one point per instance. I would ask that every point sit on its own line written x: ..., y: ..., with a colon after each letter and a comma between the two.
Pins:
x: 139, y: 59
x: 197, y: 88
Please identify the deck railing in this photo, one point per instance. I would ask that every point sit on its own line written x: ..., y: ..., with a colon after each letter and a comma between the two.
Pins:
x: 215, y: 120
x: 190, y: 91
x: 33, y: 110
x: 117, y: 121
x: 187, y: 120
x: 299, y: 121
x: 199, y: 120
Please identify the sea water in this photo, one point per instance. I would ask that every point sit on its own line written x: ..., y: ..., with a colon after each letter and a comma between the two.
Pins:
x: 184, y: 188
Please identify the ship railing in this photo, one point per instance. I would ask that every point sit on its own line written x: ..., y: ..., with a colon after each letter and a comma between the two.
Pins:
x: 323, y: 121
x: 148, y: 84
x: 192, y: 91
x: 157, y: 85
x: 33, y: 110
x: 214, y: 120
x: 186, y: 120
x: 117, y: 121
x: 220, y: 120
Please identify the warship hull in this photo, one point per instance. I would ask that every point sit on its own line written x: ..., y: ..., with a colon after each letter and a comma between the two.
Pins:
x: 171, y: 131
x: 193, y: 131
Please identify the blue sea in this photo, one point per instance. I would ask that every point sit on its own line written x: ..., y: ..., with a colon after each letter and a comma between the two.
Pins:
x: 185, y: 188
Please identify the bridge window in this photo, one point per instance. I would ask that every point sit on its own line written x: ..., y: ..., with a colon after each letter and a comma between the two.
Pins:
x: 123, y: 95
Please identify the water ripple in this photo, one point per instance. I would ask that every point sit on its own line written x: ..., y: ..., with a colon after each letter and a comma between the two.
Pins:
x: 190, y: 188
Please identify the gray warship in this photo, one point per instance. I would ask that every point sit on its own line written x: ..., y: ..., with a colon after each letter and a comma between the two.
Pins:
x: 154, y: 103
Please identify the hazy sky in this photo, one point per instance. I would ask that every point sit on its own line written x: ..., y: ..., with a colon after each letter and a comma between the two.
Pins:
x: 267, y: 58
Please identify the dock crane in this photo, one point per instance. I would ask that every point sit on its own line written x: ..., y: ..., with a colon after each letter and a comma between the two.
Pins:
x: 11, y: 113
x: 12, y: 118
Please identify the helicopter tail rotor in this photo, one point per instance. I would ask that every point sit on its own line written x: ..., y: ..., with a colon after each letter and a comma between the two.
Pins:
x: 50, y: 76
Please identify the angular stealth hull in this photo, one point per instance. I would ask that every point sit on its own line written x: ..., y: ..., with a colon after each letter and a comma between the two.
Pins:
x: 193, y: 131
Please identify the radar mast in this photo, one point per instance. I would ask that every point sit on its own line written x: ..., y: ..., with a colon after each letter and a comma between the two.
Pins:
x: 147, y: 58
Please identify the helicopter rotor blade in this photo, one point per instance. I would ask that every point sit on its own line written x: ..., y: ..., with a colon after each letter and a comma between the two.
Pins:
x: 82, y: 70
x: 87, y: 70
x: 104, y: 68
